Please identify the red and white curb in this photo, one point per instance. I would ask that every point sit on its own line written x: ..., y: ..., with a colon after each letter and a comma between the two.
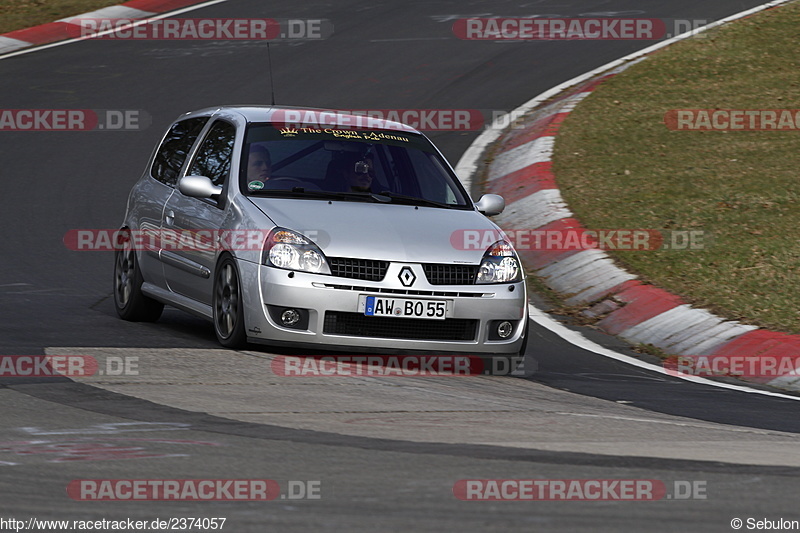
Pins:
x: 64, y: 29
x: 521, y: 171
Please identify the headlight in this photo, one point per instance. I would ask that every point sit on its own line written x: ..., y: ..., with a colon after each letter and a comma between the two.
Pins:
x: 499, y: 265
x: 291, y: 251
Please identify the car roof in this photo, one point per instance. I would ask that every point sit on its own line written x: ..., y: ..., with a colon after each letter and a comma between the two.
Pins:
x: 307, y: 117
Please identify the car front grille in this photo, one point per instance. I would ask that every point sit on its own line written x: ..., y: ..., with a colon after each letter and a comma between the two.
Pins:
x: 358, y: 325
x: 450, y: 274
x: 372, y: 270
x: 366, y: 269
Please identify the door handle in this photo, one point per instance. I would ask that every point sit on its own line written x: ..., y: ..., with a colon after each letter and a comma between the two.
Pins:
x: 170, y: 218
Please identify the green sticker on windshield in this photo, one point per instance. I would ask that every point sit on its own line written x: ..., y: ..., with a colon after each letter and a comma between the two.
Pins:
x: 255, y: 185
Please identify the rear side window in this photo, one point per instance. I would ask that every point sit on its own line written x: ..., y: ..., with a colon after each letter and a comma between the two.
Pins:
x: 173, y: 150
x: 213, y: 159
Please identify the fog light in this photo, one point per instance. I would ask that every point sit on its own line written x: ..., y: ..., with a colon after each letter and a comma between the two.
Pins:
x: 290, y: 317
x: 505, y: 329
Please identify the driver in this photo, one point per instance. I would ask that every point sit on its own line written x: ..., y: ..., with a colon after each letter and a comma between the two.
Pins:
x: 357, y: 172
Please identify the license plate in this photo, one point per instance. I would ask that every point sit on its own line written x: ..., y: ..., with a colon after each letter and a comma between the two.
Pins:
x: 404, y: 307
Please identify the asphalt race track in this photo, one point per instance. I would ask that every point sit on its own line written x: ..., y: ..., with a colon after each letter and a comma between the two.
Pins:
x: 386, y: 452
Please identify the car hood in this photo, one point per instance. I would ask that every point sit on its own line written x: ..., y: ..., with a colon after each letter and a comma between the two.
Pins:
x: 386, y: 232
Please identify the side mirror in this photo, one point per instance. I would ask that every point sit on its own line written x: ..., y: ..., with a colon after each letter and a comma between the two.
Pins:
x: 198, y: 187
x: 491, y: 204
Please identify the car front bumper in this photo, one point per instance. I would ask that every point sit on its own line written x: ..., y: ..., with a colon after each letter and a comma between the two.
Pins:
x: 335, y: 321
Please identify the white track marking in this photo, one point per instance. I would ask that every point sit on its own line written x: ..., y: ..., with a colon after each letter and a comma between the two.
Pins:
x: 35, y: 48
x: 468, y: 165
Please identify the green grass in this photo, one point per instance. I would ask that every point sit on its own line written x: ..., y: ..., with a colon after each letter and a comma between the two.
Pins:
x: 618, y: 165
x: 18, y: 14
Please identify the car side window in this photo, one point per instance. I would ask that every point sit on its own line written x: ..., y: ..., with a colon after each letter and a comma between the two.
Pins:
x: 213, y: 159
x: 173, y: 150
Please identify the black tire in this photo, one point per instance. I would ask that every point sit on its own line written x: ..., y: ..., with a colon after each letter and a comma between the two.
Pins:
x: 130, y: 302
x: 227, y: 305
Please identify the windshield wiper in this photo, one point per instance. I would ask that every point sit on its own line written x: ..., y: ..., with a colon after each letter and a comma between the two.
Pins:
x: 301, y: 192
x: 414, y: 200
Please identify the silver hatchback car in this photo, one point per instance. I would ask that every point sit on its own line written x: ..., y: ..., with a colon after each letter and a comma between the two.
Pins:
x: 317, y: 229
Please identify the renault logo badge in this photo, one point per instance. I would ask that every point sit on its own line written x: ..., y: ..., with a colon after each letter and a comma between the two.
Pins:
x: 407, y: 276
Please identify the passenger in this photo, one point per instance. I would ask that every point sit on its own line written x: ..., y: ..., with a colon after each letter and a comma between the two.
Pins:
x: 259, y: 164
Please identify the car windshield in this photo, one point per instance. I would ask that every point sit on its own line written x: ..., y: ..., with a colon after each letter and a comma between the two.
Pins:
x: 349, y: 165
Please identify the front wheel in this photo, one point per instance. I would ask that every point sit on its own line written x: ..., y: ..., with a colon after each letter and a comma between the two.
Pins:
x: 228, y: 306
x: 130, y: 302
